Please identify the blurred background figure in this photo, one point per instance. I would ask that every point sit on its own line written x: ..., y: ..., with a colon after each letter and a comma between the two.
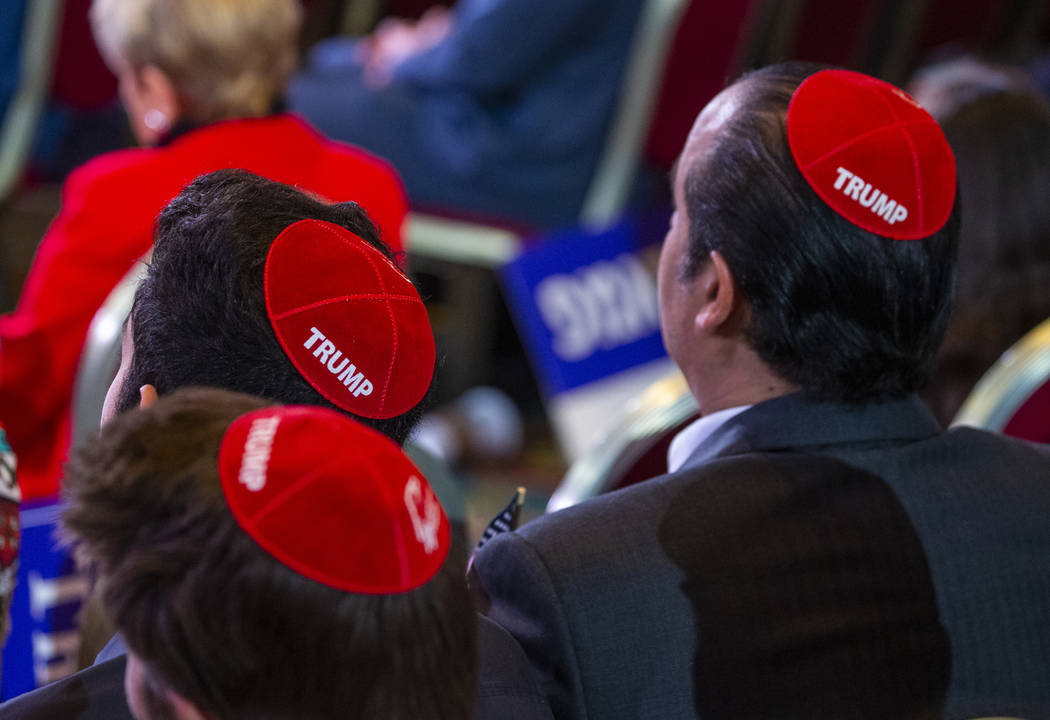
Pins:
x: 496, y: 108
x: 999, y: 129
x: 482, y: 425
x: 202, y: 82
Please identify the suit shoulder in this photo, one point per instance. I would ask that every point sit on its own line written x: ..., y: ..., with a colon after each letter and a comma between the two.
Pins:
x: 983, y: 443
x: 623, y: 508
x: 95, y: 692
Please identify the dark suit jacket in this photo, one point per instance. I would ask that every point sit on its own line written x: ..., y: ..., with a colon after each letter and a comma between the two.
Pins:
x: 97, y: 693
x: 758, y: 580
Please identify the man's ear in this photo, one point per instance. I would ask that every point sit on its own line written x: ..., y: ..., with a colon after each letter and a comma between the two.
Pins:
x: 721, y: 296
x: 147, y: 395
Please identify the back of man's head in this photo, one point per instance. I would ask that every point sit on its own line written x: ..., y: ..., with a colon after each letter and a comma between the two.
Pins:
x: 256, y: 569
x: 201, y: 315
x: 839, y: 311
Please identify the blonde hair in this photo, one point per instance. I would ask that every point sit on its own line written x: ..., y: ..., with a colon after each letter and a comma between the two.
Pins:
x: 226, y: 58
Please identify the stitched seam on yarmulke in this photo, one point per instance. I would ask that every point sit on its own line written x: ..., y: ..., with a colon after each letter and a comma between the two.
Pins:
x: 390, y: 316
x: 393, y: 330
x: 344, y: 298
x: 921, y: 219
x: 399, y: 533
x: 918, y: 182
x: 292, y: 358
x: 279, y: 498
x: 282, y: 341
x: 370, y: 251
x: 852, y: 141
x: 920, y: 226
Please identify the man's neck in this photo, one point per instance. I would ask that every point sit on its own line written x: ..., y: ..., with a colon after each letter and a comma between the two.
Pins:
x: 746, y: 382
x: 747, y: 396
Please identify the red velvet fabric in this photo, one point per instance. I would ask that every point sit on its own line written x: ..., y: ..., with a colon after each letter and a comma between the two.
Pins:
x: 1031, y: 421
x: 349, y: 320
x: 710, y: 37
x: 977, y: 25
x: 333, y: 500
x: 81, y: 78
x: 106, y: 224
x: 835, y: 32
x: 872, y: 154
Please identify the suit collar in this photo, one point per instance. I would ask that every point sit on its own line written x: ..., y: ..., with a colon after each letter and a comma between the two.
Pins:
x: 797, y: 421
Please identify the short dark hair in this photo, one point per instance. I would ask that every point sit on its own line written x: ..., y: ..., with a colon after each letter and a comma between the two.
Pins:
x: 220, y: 621
x: 200, y: 313
x: 844, y: 314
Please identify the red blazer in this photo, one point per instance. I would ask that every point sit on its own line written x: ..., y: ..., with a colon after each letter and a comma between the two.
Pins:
x: 106, y: 224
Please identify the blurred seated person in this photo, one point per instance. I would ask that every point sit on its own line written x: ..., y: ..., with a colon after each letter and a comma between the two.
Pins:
x: 497, y: 108
x: 999, y: 129
x: 268, y: 561
x: 201, y: 81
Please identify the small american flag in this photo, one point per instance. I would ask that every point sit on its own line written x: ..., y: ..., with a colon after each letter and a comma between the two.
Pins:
x: 506, y: 520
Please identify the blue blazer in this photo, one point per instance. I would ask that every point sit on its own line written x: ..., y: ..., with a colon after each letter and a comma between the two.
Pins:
x: 506, y: 117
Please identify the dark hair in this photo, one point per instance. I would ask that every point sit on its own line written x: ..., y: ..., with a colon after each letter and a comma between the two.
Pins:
x: 220, y: 621
x: 844, y: 314
x: 1000, y: 134
x: 200, y: 313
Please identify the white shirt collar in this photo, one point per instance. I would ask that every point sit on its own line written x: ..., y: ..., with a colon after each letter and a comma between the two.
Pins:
x: 690, y: 437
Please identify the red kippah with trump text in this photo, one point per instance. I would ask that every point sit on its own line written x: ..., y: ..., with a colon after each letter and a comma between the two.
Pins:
x: 332, y: 499
x: 350, y: 321
x: 872, y: 154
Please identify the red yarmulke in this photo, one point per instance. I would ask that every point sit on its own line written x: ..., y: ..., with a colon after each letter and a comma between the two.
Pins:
x: 350, y: 321
x: 872, y: 154
x: 332, y: 499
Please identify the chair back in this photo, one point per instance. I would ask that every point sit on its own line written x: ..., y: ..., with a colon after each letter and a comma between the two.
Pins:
x: 100, y: 356
x: 609, y: 188
x: 472, y: 243
x: 36, y: 61
x: 1013, y: 397
x: 82, y: 81
x: 712, y: 42
x: 833, y: 32
x: 979, y: 25
x: 919, y: 30
x: 635, y: 450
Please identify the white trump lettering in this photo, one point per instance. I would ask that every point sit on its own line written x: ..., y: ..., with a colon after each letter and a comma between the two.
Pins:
x: 427, y: 522
x: 338, y: 364
x: 875, y: 200
x: 257, y: 452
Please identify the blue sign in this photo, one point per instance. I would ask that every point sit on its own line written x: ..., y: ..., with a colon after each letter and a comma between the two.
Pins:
x: 586, y: 303
x: 44, y: 638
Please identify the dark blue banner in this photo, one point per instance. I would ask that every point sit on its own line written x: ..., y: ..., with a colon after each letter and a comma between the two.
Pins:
x: 44, y: 638
x: 586, y: 303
